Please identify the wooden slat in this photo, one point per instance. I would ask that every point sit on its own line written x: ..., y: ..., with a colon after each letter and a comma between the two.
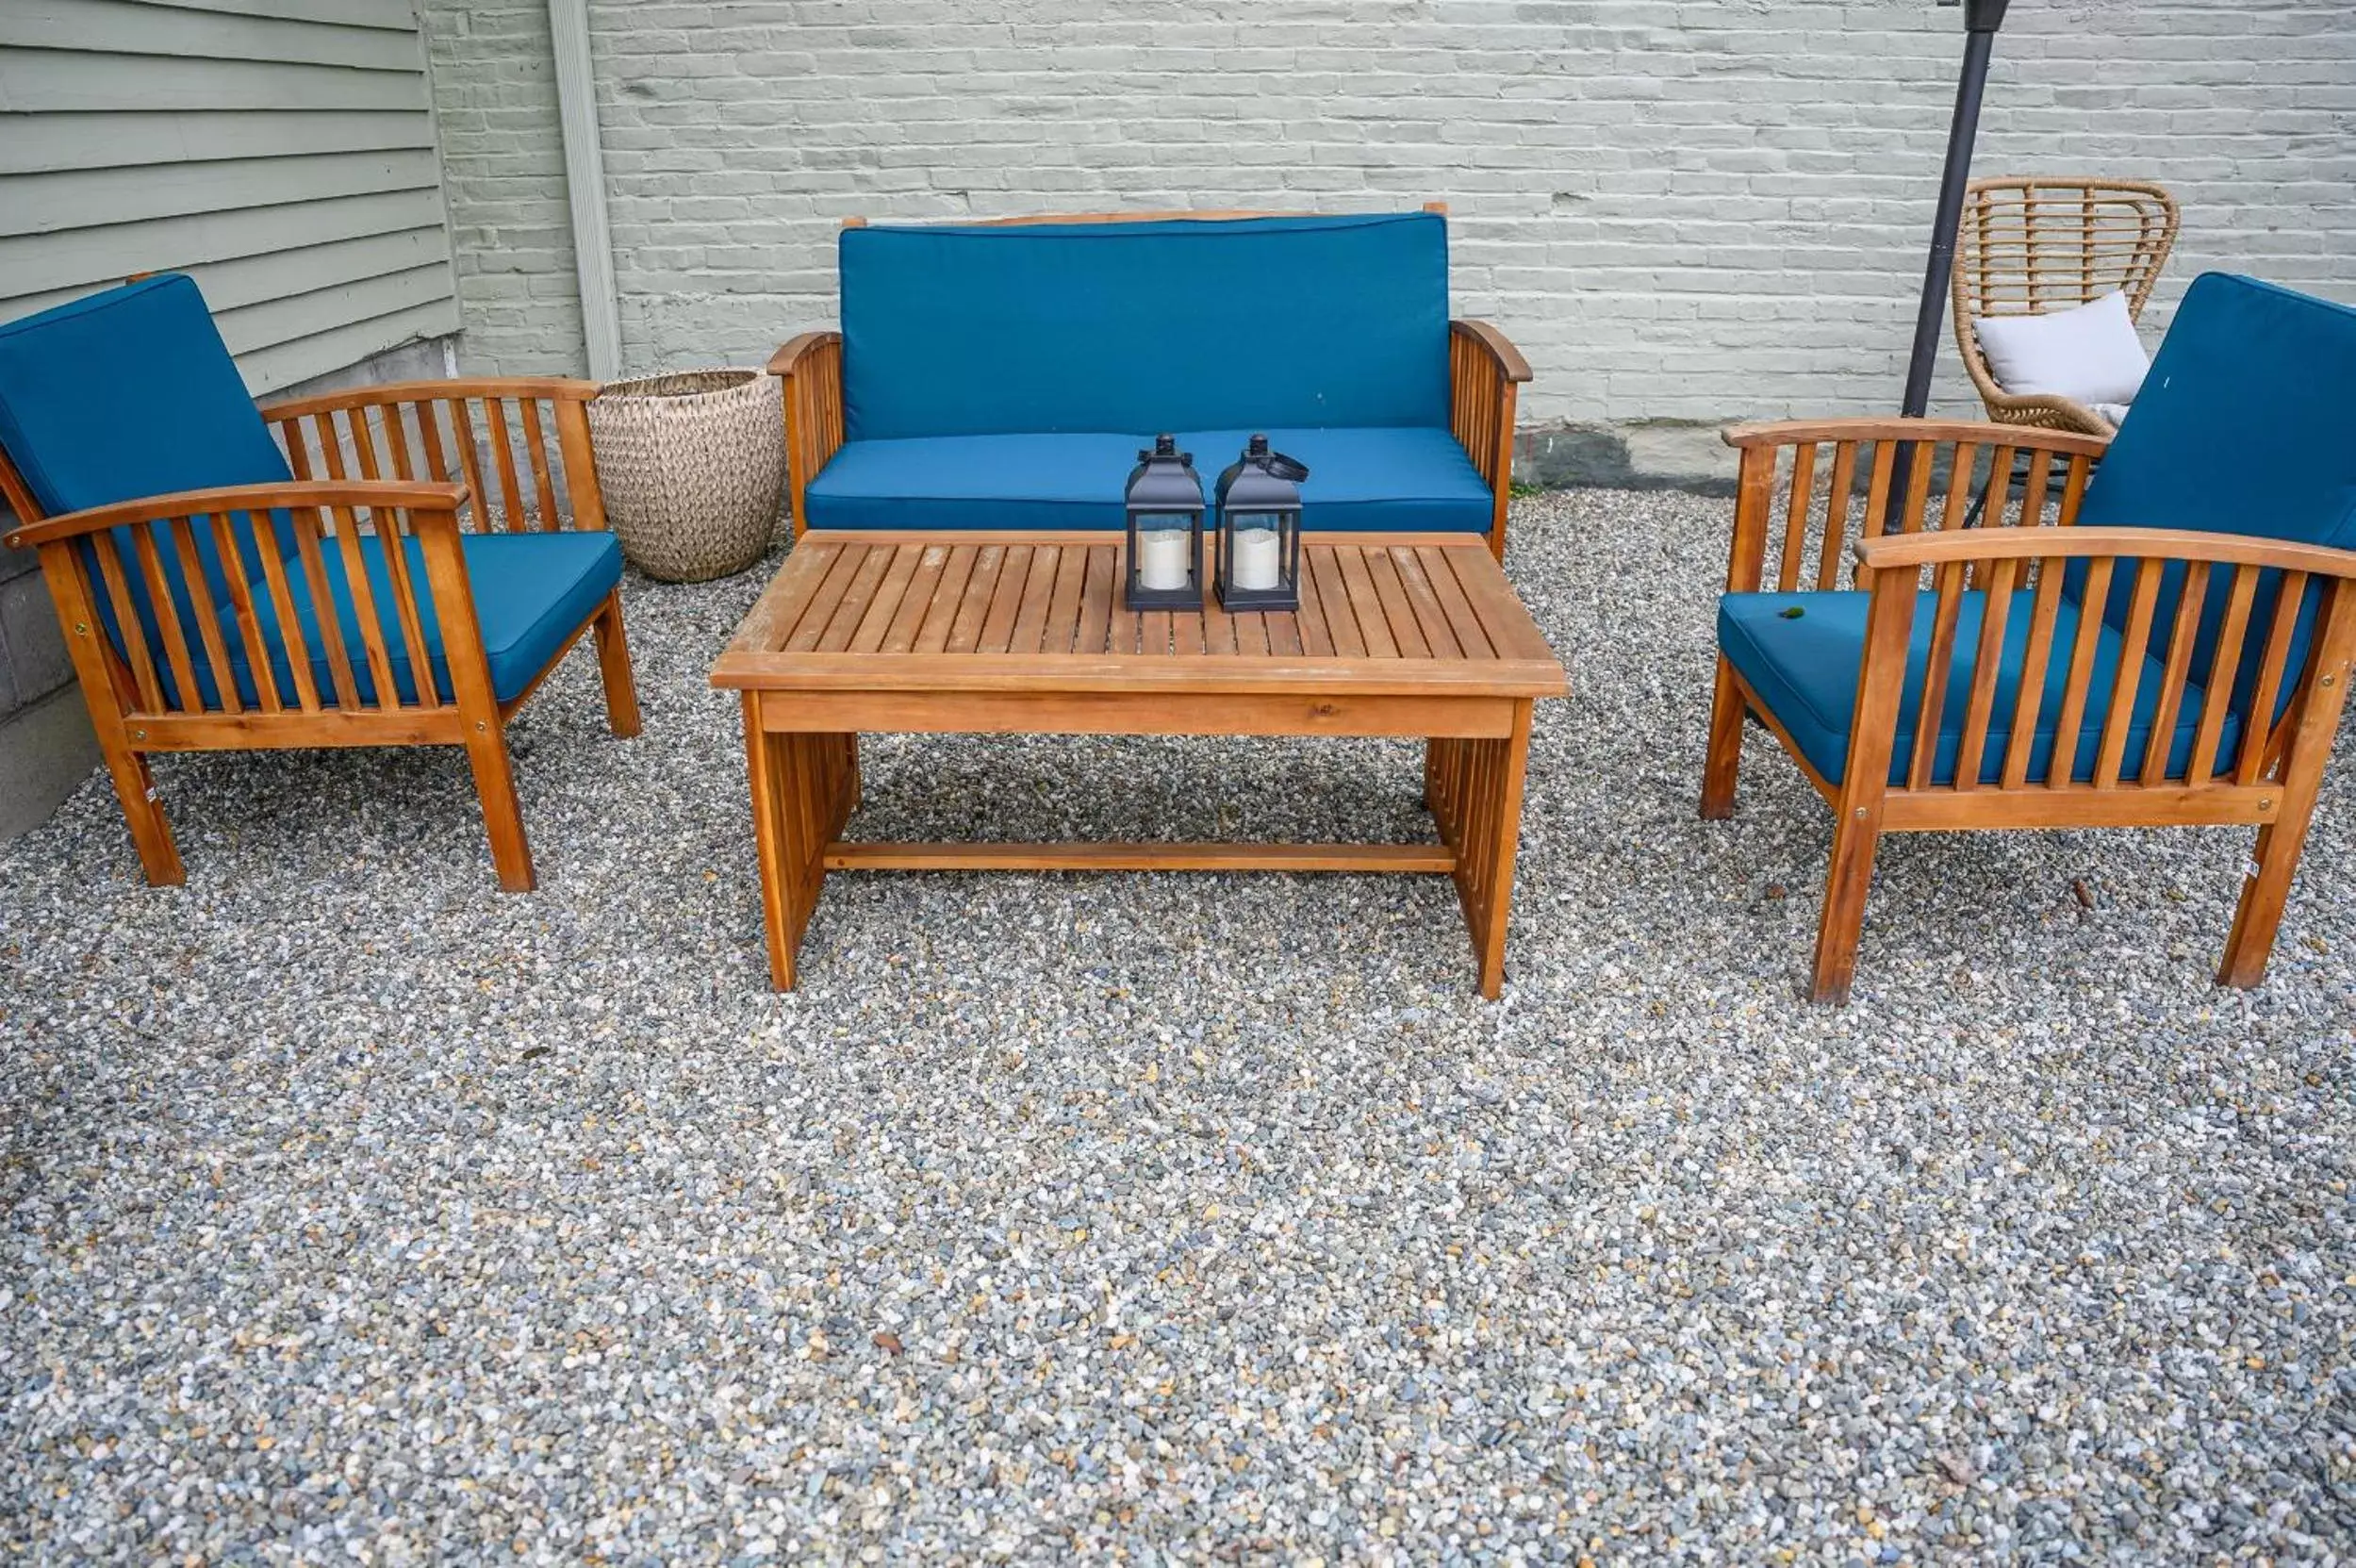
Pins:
x: 347, y: 536
x: 470, y: 459
x: 2133, y: 645
x: 1217, y: 630
x: 1186, y: 631
x: 2174, y: 673
x: 1919, y: 459
x: 503, y: 454
x: 973, y: 608
x: 917, y: 603
x: 1373, y: 623
x: 1934, y: 675
x: 257, y: 662
x: 2073, y: 490
x: 535, y: 447
x: 339, y: 672
x: 818, y: 610
x: 2224, y: 669
x: 407, y: 595
x: 2036, y: 663
x: 281, y: 592
x: 1407, y: 632
x: 1799, y: 503
x: 2272, y: 669
x: 1125, y: 627
x: 1038, y: 597
x: 103, y: 545
x: 2032, y: 498
x: 1316, y: 635
x: 1464, y: 627
x: 1098, y: 855
x: 933, y: 635
x: 207, y: 615
x: 1337, y: 612
x: 2068, y: 727
x: 397, y: 443
x: 1006, y: 601
x: 1252, y: 631
x: 883, y: 608
x: 861, y: 593
x: 1431, y: 620
x: 1156, y: 631
x: 1096, y: 598
x: 1959, y: 475
x: 167, y: 610
x: 1510, y: 632
x: 1837, y: 515
x: 1877, y: 488
x: 1987, y: 663
x: 363, y: 443
x: 1061, y: 631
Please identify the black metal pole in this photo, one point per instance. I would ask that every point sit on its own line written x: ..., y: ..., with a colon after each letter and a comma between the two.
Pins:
x: 1981, y: 20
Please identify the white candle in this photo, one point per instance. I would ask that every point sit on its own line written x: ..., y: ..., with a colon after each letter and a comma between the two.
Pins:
x: 1164, y: 558
x: 1256, y: 557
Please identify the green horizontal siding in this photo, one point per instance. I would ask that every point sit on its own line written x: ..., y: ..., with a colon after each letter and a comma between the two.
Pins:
x: 282, y: 151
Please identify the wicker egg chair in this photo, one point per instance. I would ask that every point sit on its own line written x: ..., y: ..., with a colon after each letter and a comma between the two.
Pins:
x: 2035, y: 243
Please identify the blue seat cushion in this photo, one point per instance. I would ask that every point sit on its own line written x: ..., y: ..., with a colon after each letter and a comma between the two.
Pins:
x: 1406, y: 480
x: 1804, y: 671
x: 1065, y: 328
x: 531, y: 591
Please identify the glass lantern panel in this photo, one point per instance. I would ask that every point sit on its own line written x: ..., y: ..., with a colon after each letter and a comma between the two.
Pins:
x: 1165, y: 551
x: 1255, y: 546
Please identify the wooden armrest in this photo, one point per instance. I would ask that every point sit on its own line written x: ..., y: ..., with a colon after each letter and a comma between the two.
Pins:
x: 550, y: 388
x: 788, y: 357
x: 1500, y: 349
x: 1892, y: 428
x: 426, y: 500
x: 1906, y: 551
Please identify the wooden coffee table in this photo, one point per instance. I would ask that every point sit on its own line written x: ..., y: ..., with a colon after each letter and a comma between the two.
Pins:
x: 977, y: 633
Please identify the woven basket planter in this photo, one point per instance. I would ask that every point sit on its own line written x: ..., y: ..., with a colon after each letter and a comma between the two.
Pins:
x: 692, y: 465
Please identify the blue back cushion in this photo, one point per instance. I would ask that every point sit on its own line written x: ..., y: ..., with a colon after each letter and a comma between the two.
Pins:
x: 128, y: 394
x: 1301, y: 322
x: 2246, y: 424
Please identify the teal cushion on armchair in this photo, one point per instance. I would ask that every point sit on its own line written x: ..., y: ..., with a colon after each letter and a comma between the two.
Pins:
x: 530, y: 591
x: 1804, y: 671
x: 2246, y: 424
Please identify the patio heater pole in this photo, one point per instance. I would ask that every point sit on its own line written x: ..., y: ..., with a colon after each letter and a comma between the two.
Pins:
x: 1981, y: 18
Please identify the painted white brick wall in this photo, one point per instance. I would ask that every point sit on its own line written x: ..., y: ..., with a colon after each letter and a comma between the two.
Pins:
x: 1684, y: 212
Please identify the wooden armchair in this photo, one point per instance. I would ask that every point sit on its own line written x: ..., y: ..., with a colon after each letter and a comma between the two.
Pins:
x: 2032, y: 244
x: 2054, y: 676
x: 257, y: 598
x: 1485, y: 372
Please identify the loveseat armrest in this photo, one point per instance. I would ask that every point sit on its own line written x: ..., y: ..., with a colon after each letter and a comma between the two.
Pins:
x: 810, y: 371
x: 1806, y: 486
x: 1485, y: 376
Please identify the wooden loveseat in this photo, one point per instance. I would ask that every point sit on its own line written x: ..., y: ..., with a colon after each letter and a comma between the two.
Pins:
x: 1003, y: 375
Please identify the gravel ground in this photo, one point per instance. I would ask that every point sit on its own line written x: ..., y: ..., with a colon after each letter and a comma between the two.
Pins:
x: 354, y: 1208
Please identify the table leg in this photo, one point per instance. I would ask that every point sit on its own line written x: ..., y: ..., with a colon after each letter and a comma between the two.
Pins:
x: 1476, y: 794
x: 803, y: 789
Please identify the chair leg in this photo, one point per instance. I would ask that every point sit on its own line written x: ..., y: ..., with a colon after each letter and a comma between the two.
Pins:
x: 134, y: 786
x: 2264, y: 893
x: 613, y: 663
x: 1846, y: 882
x: 1725, y: 747
x: 503, y: 817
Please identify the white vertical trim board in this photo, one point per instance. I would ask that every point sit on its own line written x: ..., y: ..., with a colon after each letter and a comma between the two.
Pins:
x: 585, y: 185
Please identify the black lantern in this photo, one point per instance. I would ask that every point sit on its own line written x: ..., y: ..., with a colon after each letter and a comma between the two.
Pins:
x: 1166, y: 530
x: 1259, y: 530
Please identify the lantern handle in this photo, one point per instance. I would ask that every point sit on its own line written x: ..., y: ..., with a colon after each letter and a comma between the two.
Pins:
x: 1290, y: 469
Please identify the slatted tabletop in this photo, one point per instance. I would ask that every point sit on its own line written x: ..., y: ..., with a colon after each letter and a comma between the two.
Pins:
x: 998, y: 611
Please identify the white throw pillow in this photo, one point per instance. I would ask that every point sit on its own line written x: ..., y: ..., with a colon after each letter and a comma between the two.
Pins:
x: 2089, y: 355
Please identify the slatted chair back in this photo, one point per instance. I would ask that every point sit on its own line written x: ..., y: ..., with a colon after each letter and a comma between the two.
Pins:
x: 2031, y: 245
